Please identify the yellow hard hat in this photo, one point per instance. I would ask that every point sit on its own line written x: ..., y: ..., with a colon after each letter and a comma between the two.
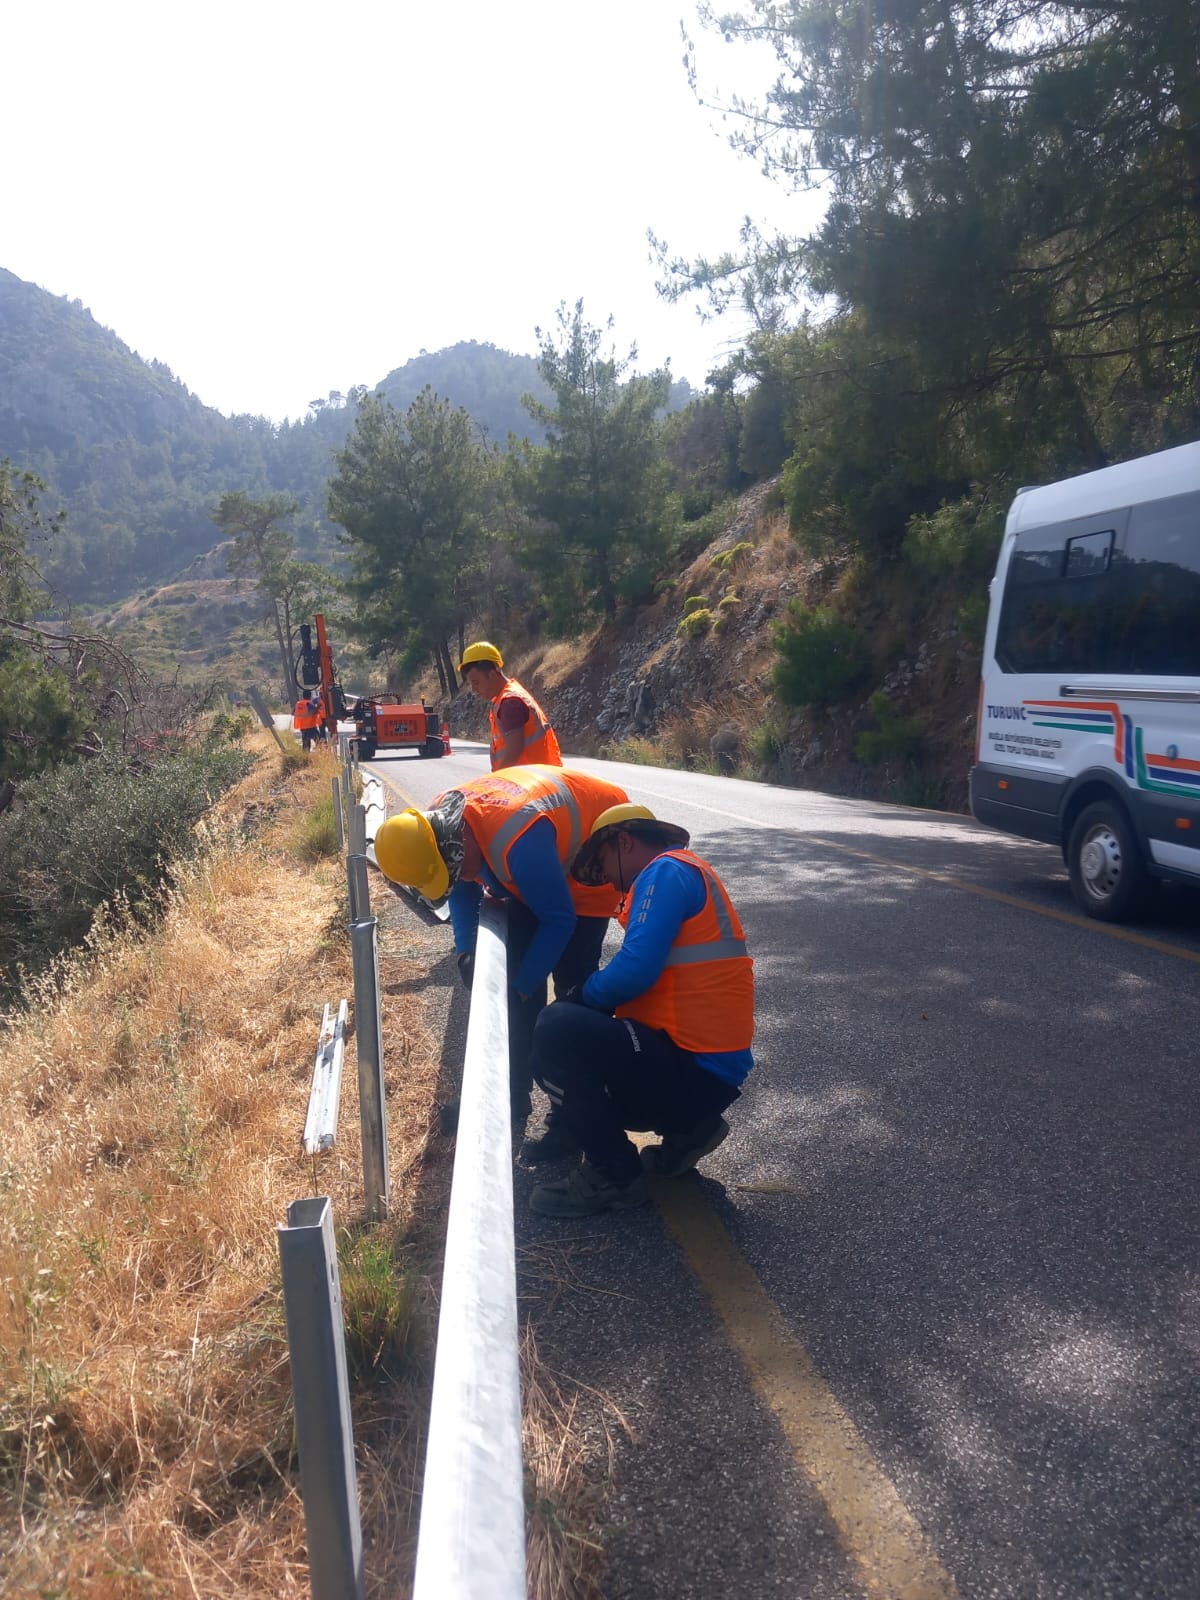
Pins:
x: 481, y: 653
x: 639, y: 820
x: 407, y: 853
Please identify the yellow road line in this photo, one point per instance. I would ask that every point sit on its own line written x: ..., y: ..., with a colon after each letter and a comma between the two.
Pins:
x: 889, y: 1547
x: 1144, y: 940
x: 1074, y: 920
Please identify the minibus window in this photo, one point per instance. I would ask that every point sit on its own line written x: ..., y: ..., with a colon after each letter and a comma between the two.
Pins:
x: 1088, y: 554
x: 1058, y: 601
x: 1158, y: 581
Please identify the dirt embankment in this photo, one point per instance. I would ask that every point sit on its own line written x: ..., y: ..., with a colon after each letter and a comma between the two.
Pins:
x: 659, y: 688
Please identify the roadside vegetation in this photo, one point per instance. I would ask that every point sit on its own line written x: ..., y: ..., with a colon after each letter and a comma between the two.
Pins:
x: 153, y: 1085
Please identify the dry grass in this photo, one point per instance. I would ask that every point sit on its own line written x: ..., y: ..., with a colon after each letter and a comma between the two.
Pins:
x: 550, y: 663
x: 565, y: 1555
x: 149, y: 1144
x: 151, y: 1105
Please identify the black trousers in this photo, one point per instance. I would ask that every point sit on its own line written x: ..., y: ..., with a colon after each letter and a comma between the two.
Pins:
x: 579, y: 960
x: 605, y: 1074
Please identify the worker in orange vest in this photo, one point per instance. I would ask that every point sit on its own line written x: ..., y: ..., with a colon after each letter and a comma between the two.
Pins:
x: 514, y: 834
x: 306, y: 719
x: 659, y: 1039
x: 521, y: 731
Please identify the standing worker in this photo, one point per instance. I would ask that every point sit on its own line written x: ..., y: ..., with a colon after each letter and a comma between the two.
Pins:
x: 513, y: 833
x: 521, y: 731
x: 659, y: 1039
x: 317, y: 706
x: 305, y: 719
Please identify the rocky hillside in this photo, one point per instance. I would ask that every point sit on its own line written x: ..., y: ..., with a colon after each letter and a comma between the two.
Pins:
x: 660, y: 689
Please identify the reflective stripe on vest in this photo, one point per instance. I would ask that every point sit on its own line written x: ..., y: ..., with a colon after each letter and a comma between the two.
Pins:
x: 504, y: 805
x: 539, y: 749
x: 709, y: 1010
x: 728, y: 947
x: 541, y: 805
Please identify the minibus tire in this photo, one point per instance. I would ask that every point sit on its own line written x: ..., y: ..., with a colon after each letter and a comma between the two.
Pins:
x: 1108, y: 877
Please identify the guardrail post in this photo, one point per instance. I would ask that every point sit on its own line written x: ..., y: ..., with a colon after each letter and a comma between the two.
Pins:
x: 360, y: 892
x: 368, y: 1036
x: 338, y: 814
x: 312, y: 1299
x: 472, y: 1535
x: 358, y: 830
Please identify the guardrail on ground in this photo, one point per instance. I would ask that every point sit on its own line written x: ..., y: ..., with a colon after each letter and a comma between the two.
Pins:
x: 471, y: 1543
x: 472, y: 1535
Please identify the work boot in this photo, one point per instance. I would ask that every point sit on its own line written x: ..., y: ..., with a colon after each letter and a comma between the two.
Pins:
x: 554, y: 1141
x: 679, y: 1152
x: 586, y: 1192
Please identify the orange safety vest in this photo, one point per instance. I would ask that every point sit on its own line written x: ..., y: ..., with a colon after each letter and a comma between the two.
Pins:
x: 503, y: 806
x: 704, y: 996
x: 304, y: 716
x: 540, y: 749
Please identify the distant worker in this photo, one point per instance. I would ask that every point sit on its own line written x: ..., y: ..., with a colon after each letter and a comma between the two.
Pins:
x: 659, y: 1039
x: 305, y: 719
x: 321, y: 731
x: 513, y: 833
x: 521, y: 731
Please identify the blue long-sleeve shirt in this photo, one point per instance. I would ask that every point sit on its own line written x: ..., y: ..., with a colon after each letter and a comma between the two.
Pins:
x: 541, y: 884
x: 666, y: 893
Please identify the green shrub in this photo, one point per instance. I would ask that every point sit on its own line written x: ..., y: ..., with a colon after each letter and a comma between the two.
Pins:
x: 896, y: 739
x: 695, y: 624
x: 960, y: 537
x: 767, y: 741
x: 820, y: 658
x: 227, y: 729
x: 688, y: 533
x: 318, y: 836
x: 100, y: 831
x: 638, y: 752
x: 724, y: 559
x: 972, y: 617
x: 918, y: 789
x: 693, y: 603
x: 380, y: 1309
x: 728, y: 600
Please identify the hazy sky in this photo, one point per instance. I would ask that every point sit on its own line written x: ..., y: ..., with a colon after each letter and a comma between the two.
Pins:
x: 280, y: 198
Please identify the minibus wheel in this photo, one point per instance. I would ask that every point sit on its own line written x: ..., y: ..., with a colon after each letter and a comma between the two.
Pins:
x: 1108, y: 876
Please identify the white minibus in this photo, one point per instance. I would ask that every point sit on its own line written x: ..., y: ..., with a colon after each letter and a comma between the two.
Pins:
x: 1089, y: 708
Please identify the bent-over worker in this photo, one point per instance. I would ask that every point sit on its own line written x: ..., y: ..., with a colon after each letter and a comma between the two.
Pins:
x: 659, y: 1039
x: 521, y: 731
x: 513, y: 833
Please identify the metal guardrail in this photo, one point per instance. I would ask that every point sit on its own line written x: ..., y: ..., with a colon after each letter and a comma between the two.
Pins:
x: 320, y: 1126
x: 471, y: 1544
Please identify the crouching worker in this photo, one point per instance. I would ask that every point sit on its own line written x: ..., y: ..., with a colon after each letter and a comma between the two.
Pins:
x: 514, y: 833
x: 657, y: 1040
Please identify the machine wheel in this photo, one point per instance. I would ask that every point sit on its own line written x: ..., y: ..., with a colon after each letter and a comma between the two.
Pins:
x: 1108, y: 876
x: 366, y: 749
x: 433, y: 747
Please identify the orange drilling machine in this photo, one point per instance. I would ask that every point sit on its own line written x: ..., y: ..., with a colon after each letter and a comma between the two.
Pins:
x: 382, y: 722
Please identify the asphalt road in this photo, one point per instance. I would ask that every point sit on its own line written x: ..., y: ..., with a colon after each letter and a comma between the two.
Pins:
x: 928, y: 1323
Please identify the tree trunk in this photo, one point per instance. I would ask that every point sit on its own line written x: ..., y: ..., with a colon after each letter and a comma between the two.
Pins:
x: 451, y: 681
x: 291, y: 691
